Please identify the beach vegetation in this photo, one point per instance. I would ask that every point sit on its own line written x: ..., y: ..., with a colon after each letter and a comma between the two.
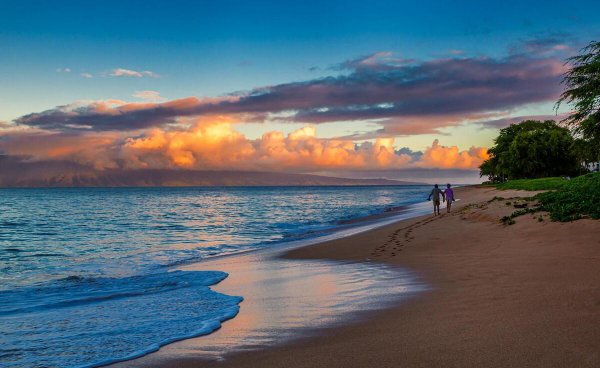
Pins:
x: 531, y: 149
x: 536, y: 149
x: 507, y: 220
x: 551, y: 183
x: 496, y: 198
x: 510, y: 219
x: 564, y: 200
x: 576, y: 199
x: 582, y: 94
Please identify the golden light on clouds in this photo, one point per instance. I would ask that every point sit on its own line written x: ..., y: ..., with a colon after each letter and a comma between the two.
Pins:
x: 212, y: 143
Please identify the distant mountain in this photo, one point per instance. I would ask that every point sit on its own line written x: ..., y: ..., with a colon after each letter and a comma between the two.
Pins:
x: 67, y: 174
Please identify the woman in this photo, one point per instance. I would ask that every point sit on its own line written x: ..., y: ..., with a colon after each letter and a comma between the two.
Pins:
x: 448, y: 197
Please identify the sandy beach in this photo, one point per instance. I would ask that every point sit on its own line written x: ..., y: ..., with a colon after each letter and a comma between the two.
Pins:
x: 525, y: 295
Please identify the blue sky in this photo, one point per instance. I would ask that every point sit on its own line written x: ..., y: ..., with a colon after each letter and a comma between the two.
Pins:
x: 56, y: 53
x: 209, y: 48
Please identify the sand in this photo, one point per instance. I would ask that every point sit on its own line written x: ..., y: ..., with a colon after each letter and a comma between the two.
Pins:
x: 525, y: 295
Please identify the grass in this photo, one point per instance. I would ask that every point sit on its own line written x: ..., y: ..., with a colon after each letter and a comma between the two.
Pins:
x: 566, y: 200
x: 534, y: 184
x: 576, y: 198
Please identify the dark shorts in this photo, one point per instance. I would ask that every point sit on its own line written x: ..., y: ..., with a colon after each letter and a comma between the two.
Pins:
x: 436, y: 202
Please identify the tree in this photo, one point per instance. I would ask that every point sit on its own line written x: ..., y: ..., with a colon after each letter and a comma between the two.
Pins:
x: 531, y: 149
x: 582, y: 83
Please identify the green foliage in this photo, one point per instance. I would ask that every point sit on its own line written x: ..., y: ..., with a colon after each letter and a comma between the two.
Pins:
x: 582, y: 92
x: 587, y: 150
x: 496, y: 198
x: 575, y: 199
x: 522, y: 212
x: 531, y: 149
x: 509, y: 220
x: 534, y: 184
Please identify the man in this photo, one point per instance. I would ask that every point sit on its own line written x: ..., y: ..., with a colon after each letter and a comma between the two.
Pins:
x: 436, y: 192
x: 449, y: 197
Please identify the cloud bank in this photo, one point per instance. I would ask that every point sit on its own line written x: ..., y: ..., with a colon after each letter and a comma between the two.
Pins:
x: 405, y: 97
x: 215, y: 145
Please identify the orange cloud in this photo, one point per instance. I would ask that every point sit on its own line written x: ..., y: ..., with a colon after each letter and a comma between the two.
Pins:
x: 213, y: 144
x: 451, y: 158
x: 216, y: 145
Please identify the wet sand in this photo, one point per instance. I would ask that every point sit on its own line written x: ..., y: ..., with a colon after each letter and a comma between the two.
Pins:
x: 525, y: 295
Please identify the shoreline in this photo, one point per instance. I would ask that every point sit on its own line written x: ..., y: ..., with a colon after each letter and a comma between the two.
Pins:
x: 338, y: 230
x: 273, y: 257
x: 495, y: 301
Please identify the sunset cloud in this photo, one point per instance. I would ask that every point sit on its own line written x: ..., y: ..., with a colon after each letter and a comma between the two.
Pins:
x: 545, y: 44
x: 399, y: 97
x: 214, y: 144
x: 404, y: 96
x: 442, y: 157
x: 115, y: 115
x: 153, y: 96
x: 506, y: 121
x: 120, y: 72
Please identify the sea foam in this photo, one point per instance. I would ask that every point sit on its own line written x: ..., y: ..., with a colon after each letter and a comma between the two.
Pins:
x: 87, y: 322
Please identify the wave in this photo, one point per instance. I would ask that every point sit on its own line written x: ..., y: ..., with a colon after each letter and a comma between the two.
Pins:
x: 48, y: 318
x: 119, y: 318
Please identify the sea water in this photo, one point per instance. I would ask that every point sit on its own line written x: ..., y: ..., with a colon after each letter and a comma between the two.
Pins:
x: 87, y: 275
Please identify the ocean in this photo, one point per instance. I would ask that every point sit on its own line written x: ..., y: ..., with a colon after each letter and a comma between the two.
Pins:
x: 89, y: 276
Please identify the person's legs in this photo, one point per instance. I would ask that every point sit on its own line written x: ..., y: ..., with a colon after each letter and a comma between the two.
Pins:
x: 449, y: 205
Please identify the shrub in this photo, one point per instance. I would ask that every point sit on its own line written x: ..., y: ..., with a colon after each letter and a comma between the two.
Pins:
x: 575, y: 199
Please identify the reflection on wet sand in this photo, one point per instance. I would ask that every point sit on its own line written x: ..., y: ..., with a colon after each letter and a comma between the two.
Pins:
x: 285, y: 299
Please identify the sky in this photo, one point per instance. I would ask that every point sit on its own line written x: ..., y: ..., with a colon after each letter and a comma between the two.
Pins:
x: 349, y: 87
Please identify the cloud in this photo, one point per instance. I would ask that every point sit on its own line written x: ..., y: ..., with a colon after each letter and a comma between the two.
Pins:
x: 214, y: 144
x: 403, y: 96
x: 90, y: 149
x: 380, y: 61
x: 217, y: 146
x: 438, y: 156
x: 545, y: 44
x: 87, y: 75
x: 504, y: 122
x: 63, y: 70
x: 148, y: 95
x: 415, y: 155
x: 120, y: 72
x: 115, y: 115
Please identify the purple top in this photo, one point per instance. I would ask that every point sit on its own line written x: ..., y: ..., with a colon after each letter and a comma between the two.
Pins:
x: 449, y: 194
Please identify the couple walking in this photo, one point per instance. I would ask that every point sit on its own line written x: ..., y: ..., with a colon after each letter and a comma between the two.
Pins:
x: 447, y: 196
